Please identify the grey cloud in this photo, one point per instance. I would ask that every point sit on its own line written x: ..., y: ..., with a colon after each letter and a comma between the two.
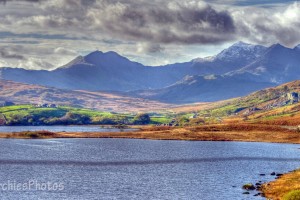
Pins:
x: 164, y: 22
x: 121, y: 25
x: 40, y: 36
x: 33, y: 1
x: 10, y: 55
x: 149, y: 48
x: 21, y: 56
x: 171, y: 22
x: 262, y: 3
x: 157, y: 21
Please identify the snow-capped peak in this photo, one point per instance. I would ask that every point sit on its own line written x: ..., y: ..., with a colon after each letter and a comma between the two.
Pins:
x: 241, y: 50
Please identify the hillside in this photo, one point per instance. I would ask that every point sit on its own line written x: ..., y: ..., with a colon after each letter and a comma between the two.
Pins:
x: 203, y: 89
x: 20, y: 93
x: 274, y: 106
x: 277, y: 105
x: 36, y: 115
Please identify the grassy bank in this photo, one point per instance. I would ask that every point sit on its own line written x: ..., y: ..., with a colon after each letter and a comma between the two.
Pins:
x: 287, y: 187
x: 240, y: 132
x: 33, y: 115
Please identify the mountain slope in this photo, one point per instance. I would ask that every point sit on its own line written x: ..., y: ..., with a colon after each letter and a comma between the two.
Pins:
x: 233, y: 58
x: 20, y: 93
x: 277, y: 65
x: 203, y: 89
x: 277, y: 105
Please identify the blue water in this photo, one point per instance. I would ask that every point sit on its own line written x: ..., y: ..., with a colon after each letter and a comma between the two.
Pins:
x: 139, y: 169
x: 84, y: 128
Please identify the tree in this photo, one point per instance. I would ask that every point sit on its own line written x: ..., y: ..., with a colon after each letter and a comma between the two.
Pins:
x: 182, y: 120
x: 141, y: 119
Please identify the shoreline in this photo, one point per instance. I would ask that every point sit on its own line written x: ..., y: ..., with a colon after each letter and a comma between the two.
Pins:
x: 221, y: 132
x: 282, y: 186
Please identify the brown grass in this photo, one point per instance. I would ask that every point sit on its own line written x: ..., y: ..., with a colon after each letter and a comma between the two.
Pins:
x: 229, y: 132
x: 277, y: 189
x: 22, y: 93
x: 31, y: 135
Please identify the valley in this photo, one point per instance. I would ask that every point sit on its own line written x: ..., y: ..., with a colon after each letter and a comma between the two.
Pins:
x: 243, y: 105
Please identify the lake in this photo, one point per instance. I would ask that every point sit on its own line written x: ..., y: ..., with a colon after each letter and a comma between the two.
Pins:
x: 83, y: 128
x: 137, y: 169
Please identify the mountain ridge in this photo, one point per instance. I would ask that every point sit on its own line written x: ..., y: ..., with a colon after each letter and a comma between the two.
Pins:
x: 244, y: 65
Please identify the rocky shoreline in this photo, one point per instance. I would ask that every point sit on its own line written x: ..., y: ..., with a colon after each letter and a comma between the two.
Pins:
x: 283, y: 186
x: 257, y: 189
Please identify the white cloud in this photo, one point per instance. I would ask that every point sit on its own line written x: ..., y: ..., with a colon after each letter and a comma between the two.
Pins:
x: 35, y: 63
x: 63, y: 51
x: 269, y: 26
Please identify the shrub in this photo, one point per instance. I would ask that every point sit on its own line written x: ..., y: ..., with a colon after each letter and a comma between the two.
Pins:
x: 141, y: 119
x: 37, y: 134
x: 31, y: 134
x: 292, y: 195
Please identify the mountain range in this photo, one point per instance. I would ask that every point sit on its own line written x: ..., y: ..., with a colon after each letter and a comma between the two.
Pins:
x: 236, y: 71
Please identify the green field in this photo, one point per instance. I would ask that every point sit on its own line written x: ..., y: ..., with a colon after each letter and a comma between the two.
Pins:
x: 63, y: 115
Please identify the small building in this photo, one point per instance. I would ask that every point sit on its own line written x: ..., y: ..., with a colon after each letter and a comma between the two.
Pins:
x: 45, y: 105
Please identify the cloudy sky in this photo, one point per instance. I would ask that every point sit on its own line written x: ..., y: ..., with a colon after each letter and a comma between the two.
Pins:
x: 45, y: 34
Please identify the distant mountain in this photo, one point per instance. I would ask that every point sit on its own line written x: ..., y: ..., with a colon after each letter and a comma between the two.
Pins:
x: 230, y: 59
x: 100, y: 71
x: 238, y: 70
x: 111, y: 71
x: 203, y: 89
x: 277, y: 65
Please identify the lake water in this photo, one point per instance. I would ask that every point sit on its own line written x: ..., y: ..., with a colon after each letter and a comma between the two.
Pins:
x: 138, y: 169
x: 10, y: 129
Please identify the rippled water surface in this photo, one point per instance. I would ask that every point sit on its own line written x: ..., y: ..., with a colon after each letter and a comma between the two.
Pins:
x: 9, y: 129
x: 139, y: 169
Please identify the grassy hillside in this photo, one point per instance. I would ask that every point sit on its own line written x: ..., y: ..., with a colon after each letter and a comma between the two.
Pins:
x: 64, y: 115
x: 277, y: 106
x: 274, y: 106
x: 21, y: 93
